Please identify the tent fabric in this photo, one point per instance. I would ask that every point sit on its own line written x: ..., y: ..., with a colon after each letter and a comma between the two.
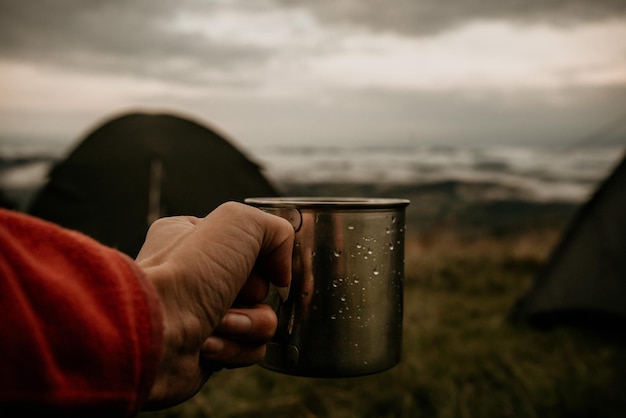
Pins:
x: 585, y: 277
x: 138, y: 167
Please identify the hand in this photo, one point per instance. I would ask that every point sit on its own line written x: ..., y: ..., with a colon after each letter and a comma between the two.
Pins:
x: 200, y: 268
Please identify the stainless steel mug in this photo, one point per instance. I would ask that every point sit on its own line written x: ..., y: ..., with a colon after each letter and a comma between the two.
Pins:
x: 342, y: 314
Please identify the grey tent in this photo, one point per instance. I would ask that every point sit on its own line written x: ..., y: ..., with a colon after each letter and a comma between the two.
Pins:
x: 138, y: 167
x: 584, y: 281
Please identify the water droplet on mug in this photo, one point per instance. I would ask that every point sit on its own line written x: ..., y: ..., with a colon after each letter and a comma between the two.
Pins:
x: 391, y: 246
x: 375, y: 272
x: 333, y: 317
x: 343, y: 298
x: 358, y: 245
x: 350, y: 227
x: 337, y: 252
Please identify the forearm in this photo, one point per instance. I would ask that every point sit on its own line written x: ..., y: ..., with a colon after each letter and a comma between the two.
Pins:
x: 80, y: 326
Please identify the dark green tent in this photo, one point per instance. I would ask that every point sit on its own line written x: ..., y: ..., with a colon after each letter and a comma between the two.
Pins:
x: 138, y: 167
x: 584, y: 281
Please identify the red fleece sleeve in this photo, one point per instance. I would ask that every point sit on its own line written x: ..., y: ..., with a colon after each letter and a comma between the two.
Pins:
x: 80, y: 326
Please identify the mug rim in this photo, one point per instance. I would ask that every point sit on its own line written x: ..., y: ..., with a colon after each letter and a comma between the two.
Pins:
x: 327, y: 202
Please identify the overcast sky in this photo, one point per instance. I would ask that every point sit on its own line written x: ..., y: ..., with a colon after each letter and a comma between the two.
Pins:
x: 327, y: 72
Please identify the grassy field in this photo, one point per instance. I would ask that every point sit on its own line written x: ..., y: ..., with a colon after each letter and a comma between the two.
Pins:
x: 462, y: 357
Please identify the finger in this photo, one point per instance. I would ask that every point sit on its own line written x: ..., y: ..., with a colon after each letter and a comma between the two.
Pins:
x: 231, y: 354
x: 274, y: 260
x: 253, y: 291
x: 274, y: 256
x: 251, y: 326
x: 241, y: 337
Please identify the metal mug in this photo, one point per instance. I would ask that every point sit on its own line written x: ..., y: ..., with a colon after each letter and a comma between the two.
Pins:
x: 342, y: 313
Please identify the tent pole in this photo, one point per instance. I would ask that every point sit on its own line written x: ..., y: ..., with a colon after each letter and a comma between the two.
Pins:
x: 154, y: 191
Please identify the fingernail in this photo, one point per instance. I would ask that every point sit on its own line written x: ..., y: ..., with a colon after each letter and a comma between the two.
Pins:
x: 213, y: 345
x: 238, y: 321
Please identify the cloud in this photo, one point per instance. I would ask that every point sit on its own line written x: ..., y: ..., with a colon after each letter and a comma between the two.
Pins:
x: 481, y: 56
x: 317, y: 71
x: 269, y: 44
x: 121, y: 37
x: 428, y: 17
